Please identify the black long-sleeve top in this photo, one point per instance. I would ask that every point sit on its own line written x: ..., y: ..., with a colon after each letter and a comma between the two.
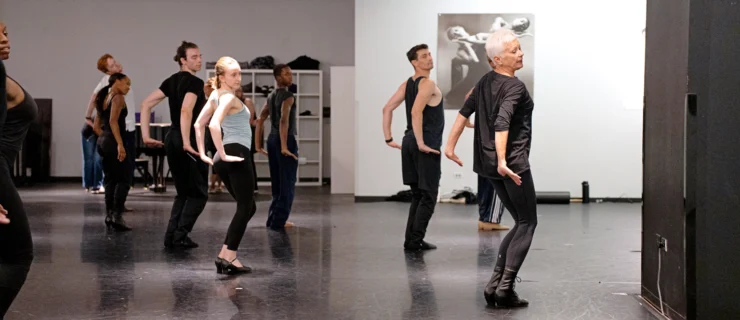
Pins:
x: 500, y: 103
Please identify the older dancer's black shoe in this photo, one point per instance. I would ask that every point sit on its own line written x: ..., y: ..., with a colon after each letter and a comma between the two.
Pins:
x: 490, y: 291
x: 505, y: 296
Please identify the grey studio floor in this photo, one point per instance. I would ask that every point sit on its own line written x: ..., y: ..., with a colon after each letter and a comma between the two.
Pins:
x: 343, y: 261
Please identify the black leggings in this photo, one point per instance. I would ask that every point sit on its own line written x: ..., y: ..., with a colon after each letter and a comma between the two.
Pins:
x: 118, y: 175
x: 420, y: 212
x: 238, y: 177
x: 521, y: 202
x: 16, y: 246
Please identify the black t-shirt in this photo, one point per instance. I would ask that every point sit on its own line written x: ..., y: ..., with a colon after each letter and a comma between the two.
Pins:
x: 175, y: 87
x: 275, y: 103
x: 500, y: 103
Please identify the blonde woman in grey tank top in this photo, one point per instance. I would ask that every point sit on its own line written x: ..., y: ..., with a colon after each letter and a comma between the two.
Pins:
x: 232, y: 161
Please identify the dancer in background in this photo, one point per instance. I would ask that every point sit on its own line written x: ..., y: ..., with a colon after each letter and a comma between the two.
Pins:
x: 503, y: 130
x: 186, y: 98
x: 231, y: 162
x: 109, y: 122
x: 420, y: 158
x: 282, y: 147
x: 17, y: 111
x: 92, y: 165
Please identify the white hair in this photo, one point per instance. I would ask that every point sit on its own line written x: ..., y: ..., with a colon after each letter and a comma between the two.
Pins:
x: 497, y: 41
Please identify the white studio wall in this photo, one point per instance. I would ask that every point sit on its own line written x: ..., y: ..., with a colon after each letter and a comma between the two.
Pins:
x: 343, y: 130
x: 54, y: 52
x: 588, y: 74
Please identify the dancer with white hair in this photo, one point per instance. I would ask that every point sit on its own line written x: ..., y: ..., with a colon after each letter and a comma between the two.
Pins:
x: 503, y: 130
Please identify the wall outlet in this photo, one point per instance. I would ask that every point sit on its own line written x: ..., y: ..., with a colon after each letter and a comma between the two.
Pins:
x: 662, y: 243
x: 457, y: 175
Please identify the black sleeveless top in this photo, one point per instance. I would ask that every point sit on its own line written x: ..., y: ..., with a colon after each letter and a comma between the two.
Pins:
x: 17, y: 122
x: 433, y: 118
x: 105, y: 115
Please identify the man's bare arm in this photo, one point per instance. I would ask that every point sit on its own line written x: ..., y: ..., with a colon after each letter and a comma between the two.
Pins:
x: 186, y: 117
x: 147, y: 105
x: 426, y: 90
x: 284, y: 123
x: 90, y: 108
x: 468, y: 123
x: 259, y: 131
x: 388, y: 109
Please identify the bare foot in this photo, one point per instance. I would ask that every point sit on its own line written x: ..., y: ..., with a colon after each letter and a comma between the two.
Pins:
x: 289, y: 224
x: 487, y: 226
x: 237, y: 263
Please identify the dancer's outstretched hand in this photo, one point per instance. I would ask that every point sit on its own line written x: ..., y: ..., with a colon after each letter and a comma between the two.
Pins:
x: 424, y: 148
x: 229, y: 158
x: 190, y: 149
x: 287, y: 153
x: 3, y: 214
x: 452, y: 156
x: 149, y: 142
x: 505, y: 171
x: 206, y: 159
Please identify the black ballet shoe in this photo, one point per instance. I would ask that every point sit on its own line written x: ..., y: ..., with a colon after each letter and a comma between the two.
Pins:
x: 505, y: 296
x: 109, y: 219
x: 186, y: 243
x: 490, y: 290
x: 220, y: 265
x: 230, y: 268
x: 427, y: 246
x: 118, y: 223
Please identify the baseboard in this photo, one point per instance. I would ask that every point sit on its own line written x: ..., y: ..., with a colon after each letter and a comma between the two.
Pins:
x: 326, y: 180
x: 617, y: 200
x: 652, y: 302
x: 369, y: 199
x: 360, y: 199
x: 79, y: 179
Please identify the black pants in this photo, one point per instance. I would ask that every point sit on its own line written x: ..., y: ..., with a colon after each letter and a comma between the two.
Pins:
x: 283, y: 170
x: 254, y: 167
x: 117, y: 175
x: 16, y: 246
x: 191, y: 182
x: 238, y: 177
x: 521, y: 202
x: 420, y: 212
x: 421, y: 171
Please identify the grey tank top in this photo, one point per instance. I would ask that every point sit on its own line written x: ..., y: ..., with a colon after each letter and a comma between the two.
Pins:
x: 237, y: 129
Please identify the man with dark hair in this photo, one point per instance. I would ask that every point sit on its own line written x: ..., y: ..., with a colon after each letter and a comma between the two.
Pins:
x: 282, y: 148
x: 420, y: 155
x: 186, y: 98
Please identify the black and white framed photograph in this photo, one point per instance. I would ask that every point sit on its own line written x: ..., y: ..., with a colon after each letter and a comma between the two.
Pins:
x: 461, y: 51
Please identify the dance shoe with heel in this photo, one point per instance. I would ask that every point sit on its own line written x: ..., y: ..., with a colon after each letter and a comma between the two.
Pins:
x: 505, y: 296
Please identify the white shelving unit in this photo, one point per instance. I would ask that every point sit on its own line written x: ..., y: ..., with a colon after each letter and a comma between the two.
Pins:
x: 308, y: 97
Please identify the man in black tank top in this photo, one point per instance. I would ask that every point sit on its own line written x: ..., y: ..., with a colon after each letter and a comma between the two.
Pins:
x: 420, y: 155
x: 186, y: 99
